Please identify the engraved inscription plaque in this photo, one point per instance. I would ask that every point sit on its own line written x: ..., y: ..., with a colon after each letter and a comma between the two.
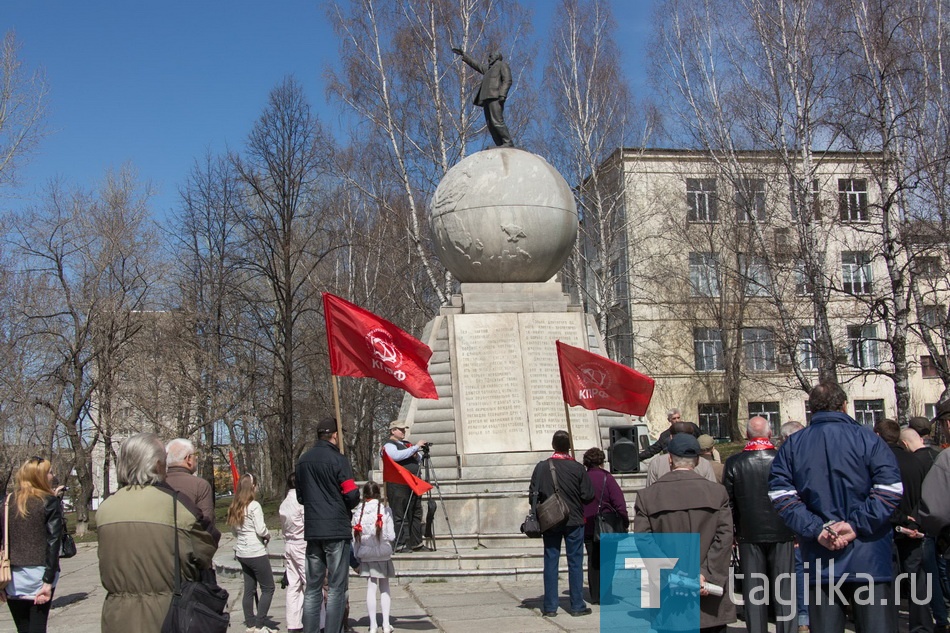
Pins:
x: 539, y: 332
x: 491, y: 383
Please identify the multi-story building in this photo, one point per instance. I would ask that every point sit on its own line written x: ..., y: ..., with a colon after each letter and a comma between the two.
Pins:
x: 719, y: 305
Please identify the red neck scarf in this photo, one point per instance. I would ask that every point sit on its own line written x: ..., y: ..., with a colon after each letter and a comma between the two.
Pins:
x: 759, y: 444
x: 561, y: 456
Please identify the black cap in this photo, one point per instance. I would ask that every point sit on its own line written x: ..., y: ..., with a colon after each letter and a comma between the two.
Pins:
x: 920, y: 424
x: 683, y: 445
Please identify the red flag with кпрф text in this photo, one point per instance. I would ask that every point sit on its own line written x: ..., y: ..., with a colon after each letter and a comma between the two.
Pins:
x: 595, y: 382
x: 363, y: 345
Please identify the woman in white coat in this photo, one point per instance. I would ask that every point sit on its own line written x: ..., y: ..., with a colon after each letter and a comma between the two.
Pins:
x: 373, y: 536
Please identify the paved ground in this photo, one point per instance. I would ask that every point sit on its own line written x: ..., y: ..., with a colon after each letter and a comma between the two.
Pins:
x: 489, y: 606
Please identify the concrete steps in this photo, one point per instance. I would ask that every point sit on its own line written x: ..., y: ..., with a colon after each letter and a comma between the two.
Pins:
x: 485, y: 517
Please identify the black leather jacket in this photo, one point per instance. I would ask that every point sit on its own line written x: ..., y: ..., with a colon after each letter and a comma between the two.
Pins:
x: 746, y: 478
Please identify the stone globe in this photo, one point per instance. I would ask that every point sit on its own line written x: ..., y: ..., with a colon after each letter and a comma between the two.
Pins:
x: 503, y: 215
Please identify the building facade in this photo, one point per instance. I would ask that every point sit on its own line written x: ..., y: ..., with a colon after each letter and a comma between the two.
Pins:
x: 720, y: 260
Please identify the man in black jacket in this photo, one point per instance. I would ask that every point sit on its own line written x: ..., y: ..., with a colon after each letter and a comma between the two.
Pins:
x: 326, y: 489
x: 575, y: 489
x: 766, y: 545
x: 909, y: 537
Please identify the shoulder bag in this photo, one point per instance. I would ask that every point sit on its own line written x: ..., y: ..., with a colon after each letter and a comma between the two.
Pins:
x: 6, y: 573
x: 67, y: 547
x: 197, y: 606
x: 552, y: 511
x: 607, y: 521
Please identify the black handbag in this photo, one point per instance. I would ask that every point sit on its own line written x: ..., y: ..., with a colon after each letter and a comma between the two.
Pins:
x: 67, y: 548
x: 552, y: 511
x: 197, y: 606
x: 530, y: 527
x: 607, y: 520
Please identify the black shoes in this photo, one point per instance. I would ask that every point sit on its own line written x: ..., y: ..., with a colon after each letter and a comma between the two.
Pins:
x: 578, y: 614
x: 549, y: 614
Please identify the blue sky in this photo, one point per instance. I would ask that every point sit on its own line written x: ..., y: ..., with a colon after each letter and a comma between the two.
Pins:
x: 156, y: 84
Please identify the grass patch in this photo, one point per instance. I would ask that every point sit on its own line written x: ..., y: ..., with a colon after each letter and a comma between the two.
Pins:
x: 728, y: 449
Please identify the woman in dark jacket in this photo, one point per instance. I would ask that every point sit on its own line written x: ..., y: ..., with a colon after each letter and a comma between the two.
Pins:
x: 35, y: 537
x: 607, y: 496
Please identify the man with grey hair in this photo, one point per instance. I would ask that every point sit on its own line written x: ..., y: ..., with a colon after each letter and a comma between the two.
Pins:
x: 785, y: 430
x: 673, y: 416
x: 181, y: 462
x: 766, y: 545
x: 137, y: 527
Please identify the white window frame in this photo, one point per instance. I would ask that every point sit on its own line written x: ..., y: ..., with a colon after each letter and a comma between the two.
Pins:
x: 862, y: 347
x: 856, y: 277
x: 758, y: 346
x: 853, y: 199
x: 701, y: 200
x: 707, y: 349
x: 807, y: 349
x: 704, y: 274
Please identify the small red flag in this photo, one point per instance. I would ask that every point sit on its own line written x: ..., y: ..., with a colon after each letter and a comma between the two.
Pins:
x: 596, y: 382
x: 396, y: 474
x: 363, y: 345
x: 234, y: 471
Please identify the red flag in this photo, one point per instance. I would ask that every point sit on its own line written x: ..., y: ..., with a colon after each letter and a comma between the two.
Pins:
x: 364, y: 345
x: 234, y: 471
x: 595, y: 382
x: 396, y: 474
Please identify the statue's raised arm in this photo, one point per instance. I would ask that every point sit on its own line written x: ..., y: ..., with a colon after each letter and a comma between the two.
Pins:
x: 491, y: 94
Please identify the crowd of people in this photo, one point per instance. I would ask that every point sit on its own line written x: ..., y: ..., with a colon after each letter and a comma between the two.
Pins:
x: 820, y: 526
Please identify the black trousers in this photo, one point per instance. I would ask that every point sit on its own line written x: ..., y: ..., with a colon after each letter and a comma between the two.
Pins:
x: 593, y: 569
x: 874, y: 608
x: 495, y: 118
x: 768, y: 577
x: 910, y: 557
x: 29, y: 617
x: 408, y: 524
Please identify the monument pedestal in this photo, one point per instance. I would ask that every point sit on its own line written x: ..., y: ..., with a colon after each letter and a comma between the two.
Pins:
x: 495, y: 367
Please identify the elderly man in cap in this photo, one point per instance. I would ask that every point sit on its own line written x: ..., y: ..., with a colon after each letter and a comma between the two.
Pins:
x: 682, y: 501
x: 405, y: 504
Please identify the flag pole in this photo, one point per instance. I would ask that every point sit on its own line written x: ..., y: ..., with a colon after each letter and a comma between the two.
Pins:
x: 570, y: 434
x: 339, y: 420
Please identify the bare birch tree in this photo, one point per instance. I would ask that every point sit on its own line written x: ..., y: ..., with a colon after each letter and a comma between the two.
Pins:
x: 23, y: 97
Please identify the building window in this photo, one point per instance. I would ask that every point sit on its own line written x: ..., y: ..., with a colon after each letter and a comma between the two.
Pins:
x: 868, y: 412
x: 759, y: 346
x: 750, y: 200
x: 807, y: 349
x: 701, y: 200
x: 769, y: 411
x: 856, y: 272
x: 853, y: 199
x: 704, y: 274
x: 795, y: 198
x: 928, y: 368
x: 862, y: 346
x: 707, y: 348
x: 755, y: 275
x: 802, y: 286
x: 714, y: 419
x: 932, y: 316
x: 928, y: 268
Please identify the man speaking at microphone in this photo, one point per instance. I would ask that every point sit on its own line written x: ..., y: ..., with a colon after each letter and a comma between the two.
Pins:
x: 406, y: 505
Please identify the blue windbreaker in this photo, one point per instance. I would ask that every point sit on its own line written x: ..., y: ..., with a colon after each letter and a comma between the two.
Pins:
x: 837, y: 470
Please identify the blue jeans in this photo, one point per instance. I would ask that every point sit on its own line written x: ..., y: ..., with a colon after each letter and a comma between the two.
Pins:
x: 800, y: 588
x: 326, y: 560
x: 574, y: 545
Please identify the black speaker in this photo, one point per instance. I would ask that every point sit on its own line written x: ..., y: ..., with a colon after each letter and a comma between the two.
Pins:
x: 623, y: 453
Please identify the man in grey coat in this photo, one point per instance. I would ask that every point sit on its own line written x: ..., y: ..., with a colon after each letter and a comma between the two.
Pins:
x: 491, y: 94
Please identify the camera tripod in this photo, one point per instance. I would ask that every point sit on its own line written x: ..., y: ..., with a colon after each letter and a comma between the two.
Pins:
x: 429, y: 476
